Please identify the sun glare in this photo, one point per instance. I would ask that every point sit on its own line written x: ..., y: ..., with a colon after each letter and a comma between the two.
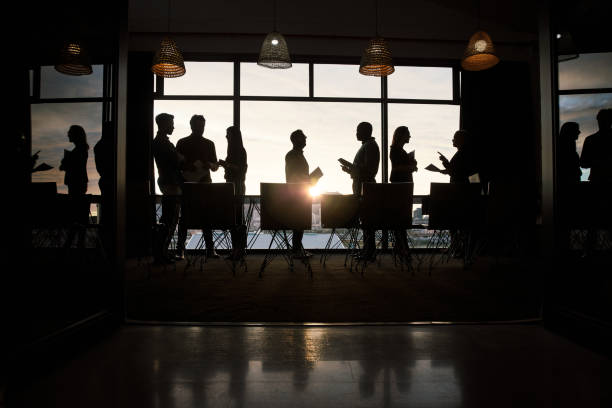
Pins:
x: 315, y: 191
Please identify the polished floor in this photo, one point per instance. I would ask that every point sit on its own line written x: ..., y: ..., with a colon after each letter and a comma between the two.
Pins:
x: 492, y: 289
x: 351, y: 366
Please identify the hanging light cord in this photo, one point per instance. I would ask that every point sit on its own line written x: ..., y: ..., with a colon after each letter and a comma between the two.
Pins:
x: 274, y: 15
x: 376, y: 14
x: 168, y: 25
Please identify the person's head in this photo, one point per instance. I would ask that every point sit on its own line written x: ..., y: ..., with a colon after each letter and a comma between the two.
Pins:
x: 234, y: 138
x: 461, y: 138
x: 165, y: 123
x: 76, y: 135
x: 298, y: 139
x: 400, y: 136
x: 569, y: 132
x: 364, y: 131
x: 197, y: 123
x: 604, y: 119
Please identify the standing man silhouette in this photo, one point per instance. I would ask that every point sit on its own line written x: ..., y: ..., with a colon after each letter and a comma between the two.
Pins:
x: 200, y: 158
x: 597, y: 150
x: 363, y: 170
x: 297, y: 171
x: 169, y: 181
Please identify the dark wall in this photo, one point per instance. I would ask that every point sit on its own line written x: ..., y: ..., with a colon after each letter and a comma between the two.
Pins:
x: 496, y: 108
x: 139, y: 206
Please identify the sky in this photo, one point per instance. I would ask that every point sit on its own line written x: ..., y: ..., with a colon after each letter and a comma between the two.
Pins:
x: 589, y: 71
x: 329, y: 126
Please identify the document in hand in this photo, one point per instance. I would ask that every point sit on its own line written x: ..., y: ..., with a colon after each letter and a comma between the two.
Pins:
x: 431, y: 167
x: 345, y: 163
x: 316, y: 174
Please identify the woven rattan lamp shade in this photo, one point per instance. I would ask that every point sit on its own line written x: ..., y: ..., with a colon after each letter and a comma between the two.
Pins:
x: 274, y: 52
x: 479, y: 53
x: 168, y: 61
x: 73, y: 60
x: 376, y: 59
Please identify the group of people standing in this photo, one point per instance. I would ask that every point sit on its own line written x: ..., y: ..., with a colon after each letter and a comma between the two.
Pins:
x: 192, y: 160
x: 194, y: 157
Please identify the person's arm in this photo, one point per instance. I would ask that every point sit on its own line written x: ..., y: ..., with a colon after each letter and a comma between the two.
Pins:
x: 212, y: 164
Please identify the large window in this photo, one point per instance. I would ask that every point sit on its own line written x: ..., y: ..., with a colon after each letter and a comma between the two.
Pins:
x: 330, y: 134
x: 58, y: 102
x: 325, y: 101
x: 585, y: 87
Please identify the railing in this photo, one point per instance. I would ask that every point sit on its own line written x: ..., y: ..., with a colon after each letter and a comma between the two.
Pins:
x: 315, y: 238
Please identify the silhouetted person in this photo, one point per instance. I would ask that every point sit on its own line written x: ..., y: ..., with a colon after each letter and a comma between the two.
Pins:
x: 569, y: 162
x: 597, y: 150
x: 200, y: 158
x: 363, y: 170
x: 297, y: 171
x: 568, y: 176
x: 169, y: 181
x: 402, y: 167
x: 74, y: 164
x: 597, y: 156
x: 235, y: 165
x: 402, y: 164
x: 463, y: 163
x: 104, y: 153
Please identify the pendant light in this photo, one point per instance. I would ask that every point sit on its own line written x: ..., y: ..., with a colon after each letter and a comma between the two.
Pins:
x: 274, y: 52
x: 168, y: 61
x: 73, y: 59
x: 480, y: 52
x: 376, y: 58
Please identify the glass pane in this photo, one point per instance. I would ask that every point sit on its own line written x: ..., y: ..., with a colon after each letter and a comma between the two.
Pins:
x: 586, y: 72
x: 203, y: 78
x: 50, y: 124
x: 344, y: 81
x: 432, y: 128
x: 330, y: 131
x: 261, y: 81
x: 57, y: 85
x: 218, y: 114
x: 583, y: 109
x: 421, y: 83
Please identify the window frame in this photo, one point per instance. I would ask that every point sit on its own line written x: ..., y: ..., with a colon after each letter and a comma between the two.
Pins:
x: 383, y: 100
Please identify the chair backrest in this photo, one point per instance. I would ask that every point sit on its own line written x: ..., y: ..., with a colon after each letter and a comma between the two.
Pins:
x: 285, y: 206
x: 504, y: 205
x: 455, y: 205
x: 208, y: 205
x: 43, y: 205
x: 387, y: 206
x: 339, y: 211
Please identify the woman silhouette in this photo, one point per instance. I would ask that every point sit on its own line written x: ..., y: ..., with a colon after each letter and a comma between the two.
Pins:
x: 402, y: 166
x: 235, y: 165
x: 74, y: 164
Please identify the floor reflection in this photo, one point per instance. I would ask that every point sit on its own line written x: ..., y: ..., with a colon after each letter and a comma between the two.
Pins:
x: 325, y: 366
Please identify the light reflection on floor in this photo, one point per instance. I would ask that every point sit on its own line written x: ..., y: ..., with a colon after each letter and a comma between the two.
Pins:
x: 432, y: 366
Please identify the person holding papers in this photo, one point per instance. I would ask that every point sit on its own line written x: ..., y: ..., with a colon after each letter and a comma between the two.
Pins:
x: 463, y: 164
x: 363, y: 169
x: 297, y: 171
x: 402, y: 164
